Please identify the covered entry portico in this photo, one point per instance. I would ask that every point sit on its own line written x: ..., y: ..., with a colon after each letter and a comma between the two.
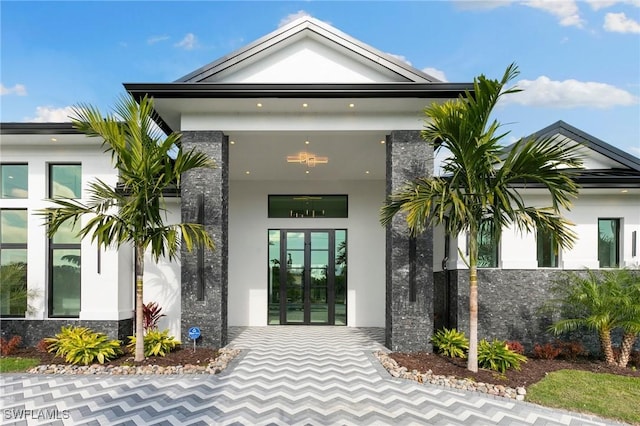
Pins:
x: 306, y: 90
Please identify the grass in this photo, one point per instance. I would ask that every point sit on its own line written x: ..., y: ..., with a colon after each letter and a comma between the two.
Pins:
x: 605, y: 395
x: 14, y: 364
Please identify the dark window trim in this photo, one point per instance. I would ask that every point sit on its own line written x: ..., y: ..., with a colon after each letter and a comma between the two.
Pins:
x: 50, y: 180
x: 16, y: 246
x: 618, y: 237
x: 16, y: 163
x: 307, y: 195
x: 51, y: 248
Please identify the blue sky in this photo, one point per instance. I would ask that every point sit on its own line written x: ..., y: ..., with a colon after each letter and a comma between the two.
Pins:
x: 579, y: 61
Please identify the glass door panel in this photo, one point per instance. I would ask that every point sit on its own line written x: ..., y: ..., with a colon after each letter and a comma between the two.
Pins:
x: 306, y: 269
x: 319, y: 273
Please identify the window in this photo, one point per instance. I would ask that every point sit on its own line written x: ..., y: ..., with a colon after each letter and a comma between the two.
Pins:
x: 609, y: 243
x: 547, y: 248
x: 308, y: 206
x: 13, y: 262
x: 65, y: 181
x: 487, y: 246
x: 64, y: 272
x: 14, y: 181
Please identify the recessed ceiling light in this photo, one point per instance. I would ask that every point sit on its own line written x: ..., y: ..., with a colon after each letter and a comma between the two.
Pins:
x: 247, y: 172
x: 307, y: 142
x: 367, y: 172
x: 259, y: 105
x: 352, y: 105
x: 232, y: 142
x: 305, y: 105
x: 624, y: 191
x: 307, y: 171
x: 54, y: 140
x: 382, y: 141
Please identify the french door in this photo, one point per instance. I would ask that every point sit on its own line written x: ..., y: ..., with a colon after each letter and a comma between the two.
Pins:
x: 307, y: 276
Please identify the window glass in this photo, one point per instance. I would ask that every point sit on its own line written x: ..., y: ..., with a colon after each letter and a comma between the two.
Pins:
x: 487, y: 247
x: 547, y: 249
x: 609, y: 243
x: 14, y: 181
x: 67, y: 233
x: 65, y: 282
x: 65, y: 181
x: 13, y: 262
x: 13, y: 226
x: 308, y: 206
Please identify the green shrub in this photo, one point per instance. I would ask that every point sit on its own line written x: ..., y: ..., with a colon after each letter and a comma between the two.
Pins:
x: 497, y: 356
x: 81, y: 345
x: 156, y: 343
x: 451, y: 343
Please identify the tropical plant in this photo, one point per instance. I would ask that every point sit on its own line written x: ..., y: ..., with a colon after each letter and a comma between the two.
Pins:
x: 497, y: 356
x: 156, y: 343
x: 7, y: 347
x: 81, y: 345
x: 478, y: 190
x: 451, y: 343
x: 151, y: 313
x: 134, y: 211
x: 600, y: 301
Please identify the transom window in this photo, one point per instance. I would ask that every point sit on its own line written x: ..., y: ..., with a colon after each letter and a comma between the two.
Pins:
x: 65, y: 181
x: 308, y: 206
x: 14, y: 181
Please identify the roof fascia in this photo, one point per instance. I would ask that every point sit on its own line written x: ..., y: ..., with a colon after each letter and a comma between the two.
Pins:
x: 16, y: 128
x: 296, y: 27
x: 258, y: 90
x: 598, y: 145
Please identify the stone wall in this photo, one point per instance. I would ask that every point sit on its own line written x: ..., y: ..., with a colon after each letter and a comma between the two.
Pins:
x: 205, y: 199
x: 32, y: 331
x: 509, y: 306
x: 409, y: 279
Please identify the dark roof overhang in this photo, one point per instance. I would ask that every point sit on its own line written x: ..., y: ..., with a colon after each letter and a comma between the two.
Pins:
x: 38, y: 128
x: 270, y: 90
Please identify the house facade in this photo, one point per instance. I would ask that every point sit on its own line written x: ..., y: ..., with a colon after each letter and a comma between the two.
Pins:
x: 310, y: 130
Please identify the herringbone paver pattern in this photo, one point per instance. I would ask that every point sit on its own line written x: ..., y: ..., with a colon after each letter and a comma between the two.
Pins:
x: 285, y: 375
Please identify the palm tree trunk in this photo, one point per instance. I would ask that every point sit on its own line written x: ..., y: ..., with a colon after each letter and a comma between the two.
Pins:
x: 139, y: 351
x: 472, y: 360
x: 605, y: 345
x: 628, y: 339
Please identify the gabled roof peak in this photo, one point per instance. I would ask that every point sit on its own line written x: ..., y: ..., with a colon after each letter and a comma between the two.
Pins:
x: 321, y: 31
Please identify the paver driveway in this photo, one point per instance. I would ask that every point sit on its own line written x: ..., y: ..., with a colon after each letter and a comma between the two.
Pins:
x: 285, y: 375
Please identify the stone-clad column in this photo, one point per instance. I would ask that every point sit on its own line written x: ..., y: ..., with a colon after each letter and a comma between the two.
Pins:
x: 409, y: 298
x: 205, y: 199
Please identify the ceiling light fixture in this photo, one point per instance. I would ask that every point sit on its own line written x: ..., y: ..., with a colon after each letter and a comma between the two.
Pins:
x: 305, y: 105
x: 54, y: 140
x: 382, y: 141
x: 247, y: 172
x: 307, y: 158
x: 232, y: 142
x: 352, y: 105
x: 307, y: 142
x: 259, y: 105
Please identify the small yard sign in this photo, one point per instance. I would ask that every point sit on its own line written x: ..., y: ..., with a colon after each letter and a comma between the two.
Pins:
x: 194, y: 333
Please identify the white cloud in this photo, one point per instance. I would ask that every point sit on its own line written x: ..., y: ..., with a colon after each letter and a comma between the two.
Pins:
x: 189, y: 42
x: 47, y: 114
x: 544, y: 92
x: 566, y: 10
x: 602, y: 4
x: 157, y: 39
x: 434, y: 72
x: 292, y: 17
x: 17, y: 89
x: 619, y: 23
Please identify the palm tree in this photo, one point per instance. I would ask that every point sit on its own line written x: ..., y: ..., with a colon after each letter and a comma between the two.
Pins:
x: 478, y: 190
x: 133, y: 212
x: 600, y: 301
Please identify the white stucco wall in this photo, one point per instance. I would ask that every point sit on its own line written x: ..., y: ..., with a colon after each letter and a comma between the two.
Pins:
x: 105, y: 295
x: 248, y: 229
x: 518, y: 250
